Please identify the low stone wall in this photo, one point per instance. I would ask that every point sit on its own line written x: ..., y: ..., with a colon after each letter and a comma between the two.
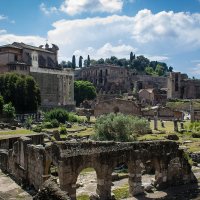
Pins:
x: 8, y: 143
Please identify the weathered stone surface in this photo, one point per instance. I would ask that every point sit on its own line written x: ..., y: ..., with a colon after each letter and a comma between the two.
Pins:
x: 51, y: 191
x: 172, y: 137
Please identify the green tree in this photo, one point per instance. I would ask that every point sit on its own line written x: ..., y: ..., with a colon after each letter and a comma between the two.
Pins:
x: 1, y: 104
x: 80, y: 62
x: 149, y: 70
x: 100, y: 61
x: 88, y: 61
x: 120, y: 127
x: 159, y: 70
x: 22, y: 91
x: 73, y: 62
x: 83, y: 90
x: 131, y: 57
x: 9, y: 110
x: 170, y: 69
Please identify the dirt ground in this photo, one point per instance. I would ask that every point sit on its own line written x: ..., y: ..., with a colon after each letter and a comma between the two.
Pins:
x: 9, y: 190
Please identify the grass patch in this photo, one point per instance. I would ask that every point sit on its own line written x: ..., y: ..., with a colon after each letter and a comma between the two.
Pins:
x: 87, y: 170
x: 16, y: 132
x: 122, y: 192
x: 83, y: 197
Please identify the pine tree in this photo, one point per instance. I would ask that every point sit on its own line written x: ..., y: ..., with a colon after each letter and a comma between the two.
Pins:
x: 80, y: 62
x: 73, y: 62
x: 88, y: 61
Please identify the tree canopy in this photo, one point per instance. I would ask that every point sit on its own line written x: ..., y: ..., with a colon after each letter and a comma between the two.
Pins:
x: 140, y: 64
x: 22, y: 91
x: 83, y: 90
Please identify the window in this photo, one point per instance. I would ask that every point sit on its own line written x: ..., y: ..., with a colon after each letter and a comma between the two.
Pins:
x: 16, y: 58
x: 12, y: 67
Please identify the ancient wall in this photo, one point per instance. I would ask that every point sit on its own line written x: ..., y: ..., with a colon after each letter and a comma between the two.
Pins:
x: 163, y: 113
x: 171, y: 167
x: 116, y: 105
x: 57, y: 87
x: 30, y: 164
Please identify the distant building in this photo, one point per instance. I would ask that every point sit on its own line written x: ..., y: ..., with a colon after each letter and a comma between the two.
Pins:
x: 106, y: 78
x: 181, y: 87
x: 56, y: 85
x: 117, y: 105
x: 152, y: 96
x: 112, y: 79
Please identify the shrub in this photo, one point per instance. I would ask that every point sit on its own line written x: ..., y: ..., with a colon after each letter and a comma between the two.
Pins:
x: 37, y: 129
x: 59, y: 114
x: 119, y: 127
x: 28, y: 122
x: 9, y: 110
x: 55, y: 123
x: 72, y: 117
x: 1, y: 104
x: 47, y: 125
x: 63, y: 130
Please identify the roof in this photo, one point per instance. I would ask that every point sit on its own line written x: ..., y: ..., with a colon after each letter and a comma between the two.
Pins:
x: 26, y: 46
x: 10, y: 46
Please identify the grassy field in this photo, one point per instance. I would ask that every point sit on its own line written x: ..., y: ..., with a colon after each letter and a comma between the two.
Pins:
x: 4, y: 133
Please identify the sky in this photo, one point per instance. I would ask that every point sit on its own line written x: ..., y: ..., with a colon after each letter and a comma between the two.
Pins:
x: 162, y: 30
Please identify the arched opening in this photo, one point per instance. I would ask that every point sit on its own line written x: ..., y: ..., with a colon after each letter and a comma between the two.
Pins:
x: 148, y: 176
x: 86, y: 184
x: 120, y: 186
x: 51, y: 170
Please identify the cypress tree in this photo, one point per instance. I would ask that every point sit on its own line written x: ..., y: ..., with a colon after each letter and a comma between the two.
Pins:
x: 73, y: 62
x: 88, y: 61
x: 80, y: 62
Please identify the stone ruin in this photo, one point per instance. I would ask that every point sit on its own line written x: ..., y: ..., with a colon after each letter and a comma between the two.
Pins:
x: 29, y: 160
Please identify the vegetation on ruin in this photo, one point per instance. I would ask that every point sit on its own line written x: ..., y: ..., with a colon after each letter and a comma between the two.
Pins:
x: 59, y: 114
x: 121, y: 192
x: 22, y: 91
x: 119, y: 127
x: 83, y: 90
x: 83, y: 197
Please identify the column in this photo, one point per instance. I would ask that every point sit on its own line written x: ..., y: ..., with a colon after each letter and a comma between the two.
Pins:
x: 135, y: 178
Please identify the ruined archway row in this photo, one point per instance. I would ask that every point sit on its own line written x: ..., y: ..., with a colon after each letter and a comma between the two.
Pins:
x: 29, y: 163
x: 170, y: 165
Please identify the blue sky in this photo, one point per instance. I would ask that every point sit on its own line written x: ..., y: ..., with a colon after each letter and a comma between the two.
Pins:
x: 163, y: 30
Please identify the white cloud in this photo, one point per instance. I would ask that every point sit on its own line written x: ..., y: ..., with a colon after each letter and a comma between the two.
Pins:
x: 73, y: 7
x: 157, y: 58
x: 3, y: 31
x: 152, y: 34
x: 3, y: 17
x: 146, y: 33
x: 47, y: 11
x: 10, y: 38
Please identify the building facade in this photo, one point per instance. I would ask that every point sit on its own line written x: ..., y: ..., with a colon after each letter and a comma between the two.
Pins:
x: 56, y: 85
x: 181, y: 87
x: 106, y: 78
x: 115, y: 79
